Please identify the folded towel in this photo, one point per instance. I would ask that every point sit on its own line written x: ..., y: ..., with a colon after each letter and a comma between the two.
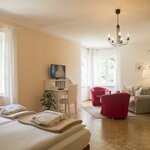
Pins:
x: 18, y: 114
x: 11, y: 109
x: 48, y: 118
x: 61, y: 115
x: 57, y: 128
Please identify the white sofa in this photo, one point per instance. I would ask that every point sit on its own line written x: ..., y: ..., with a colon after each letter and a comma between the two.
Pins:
x: 140, y: 99
x: 140, y: 104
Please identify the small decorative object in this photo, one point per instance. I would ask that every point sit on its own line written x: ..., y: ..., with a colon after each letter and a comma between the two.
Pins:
x: 48, y: 100
x: 139, y: 67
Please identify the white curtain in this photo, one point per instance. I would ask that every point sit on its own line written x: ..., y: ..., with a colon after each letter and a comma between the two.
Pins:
x: 118, y: 84
x: 10, y: 66
x: 92, y: 66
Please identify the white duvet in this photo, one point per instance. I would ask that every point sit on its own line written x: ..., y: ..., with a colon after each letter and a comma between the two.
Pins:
x: 17, y: 136
x: 4, y: 121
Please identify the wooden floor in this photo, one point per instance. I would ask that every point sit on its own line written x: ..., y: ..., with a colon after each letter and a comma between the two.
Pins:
x: 132, y: 133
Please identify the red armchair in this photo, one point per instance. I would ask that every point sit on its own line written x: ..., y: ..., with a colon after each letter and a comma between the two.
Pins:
x: 96, y: 93
x: 115, y: 105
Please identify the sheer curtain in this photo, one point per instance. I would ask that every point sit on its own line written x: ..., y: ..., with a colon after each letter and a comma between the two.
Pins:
x: 88, y: 71
x: 92, y: 66
x: 118, y: 84
x: 10, y: 66
x: 96, y: 74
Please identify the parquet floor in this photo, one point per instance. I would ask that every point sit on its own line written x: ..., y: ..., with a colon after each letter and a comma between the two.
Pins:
x: 132, y: 133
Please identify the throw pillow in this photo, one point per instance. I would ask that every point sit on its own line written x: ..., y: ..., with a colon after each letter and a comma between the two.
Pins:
x: 139, y: 91
x: 128, y: 90
x: 136, y: 88
x: 146, y: 91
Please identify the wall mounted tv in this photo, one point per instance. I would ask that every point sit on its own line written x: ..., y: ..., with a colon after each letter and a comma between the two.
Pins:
x: 57, y: 71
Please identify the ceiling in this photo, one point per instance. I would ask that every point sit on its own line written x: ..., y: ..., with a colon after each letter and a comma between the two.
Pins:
x: 86, y: 21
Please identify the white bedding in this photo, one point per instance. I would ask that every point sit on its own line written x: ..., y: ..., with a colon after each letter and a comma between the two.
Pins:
x: 26, y: 137
x: 4, y: 120
x: 76, y: 141
x: 11, y: 109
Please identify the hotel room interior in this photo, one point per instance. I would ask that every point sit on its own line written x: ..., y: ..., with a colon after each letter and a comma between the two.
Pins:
x: 97, y: 46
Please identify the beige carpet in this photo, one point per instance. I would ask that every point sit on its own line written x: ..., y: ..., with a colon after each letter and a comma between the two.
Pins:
x: 95, y: 110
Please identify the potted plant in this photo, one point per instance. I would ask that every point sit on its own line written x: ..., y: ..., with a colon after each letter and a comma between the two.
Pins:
x: 48, y: 100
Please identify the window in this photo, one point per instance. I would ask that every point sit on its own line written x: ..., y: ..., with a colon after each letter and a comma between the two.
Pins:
x: 106, y: 70
x: 2, y: 89
x: 98, y: 67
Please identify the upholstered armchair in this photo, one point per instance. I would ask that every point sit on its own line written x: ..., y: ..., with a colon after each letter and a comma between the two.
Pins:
x: 96, y: 93
x: 115, y: 105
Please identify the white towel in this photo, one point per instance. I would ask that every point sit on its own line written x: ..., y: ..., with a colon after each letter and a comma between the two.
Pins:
x: 11, y: 109
x: 61, y: 115
x: 48, y: 118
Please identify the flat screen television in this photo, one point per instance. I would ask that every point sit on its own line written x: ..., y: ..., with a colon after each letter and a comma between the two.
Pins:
x: 57, y: 71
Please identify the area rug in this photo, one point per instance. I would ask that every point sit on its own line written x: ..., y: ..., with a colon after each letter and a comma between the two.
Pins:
x: 95, y: 111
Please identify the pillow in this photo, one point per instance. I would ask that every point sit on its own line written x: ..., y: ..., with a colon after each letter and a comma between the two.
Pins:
x: 139, y: 91
x: 11, y: 109
x: 135, y: 88
x: 146, y: 91
x: 128, y: 90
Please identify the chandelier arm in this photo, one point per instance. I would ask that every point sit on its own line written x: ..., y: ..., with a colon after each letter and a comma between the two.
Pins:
x: 125, y: 43
x: 113, y: 43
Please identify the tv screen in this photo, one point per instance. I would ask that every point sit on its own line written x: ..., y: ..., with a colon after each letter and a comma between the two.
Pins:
x: 57, y: 71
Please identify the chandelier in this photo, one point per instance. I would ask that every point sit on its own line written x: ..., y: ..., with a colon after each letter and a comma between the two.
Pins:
x: 119, y: 40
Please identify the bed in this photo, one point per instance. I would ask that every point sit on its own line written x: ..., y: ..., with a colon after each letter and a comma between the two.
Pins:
x: 27, y: 137
x: 22, y: 136
x: 4, y: 120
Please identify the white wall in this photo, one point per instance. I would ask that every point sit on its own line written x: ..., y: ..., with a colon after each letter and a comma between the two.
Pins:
x: 132, y: 54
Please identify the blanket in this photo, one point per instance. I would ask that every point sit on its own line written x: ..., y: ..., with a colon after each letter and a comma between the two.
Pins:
x: 18, y: 114
x: 58, y: 128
